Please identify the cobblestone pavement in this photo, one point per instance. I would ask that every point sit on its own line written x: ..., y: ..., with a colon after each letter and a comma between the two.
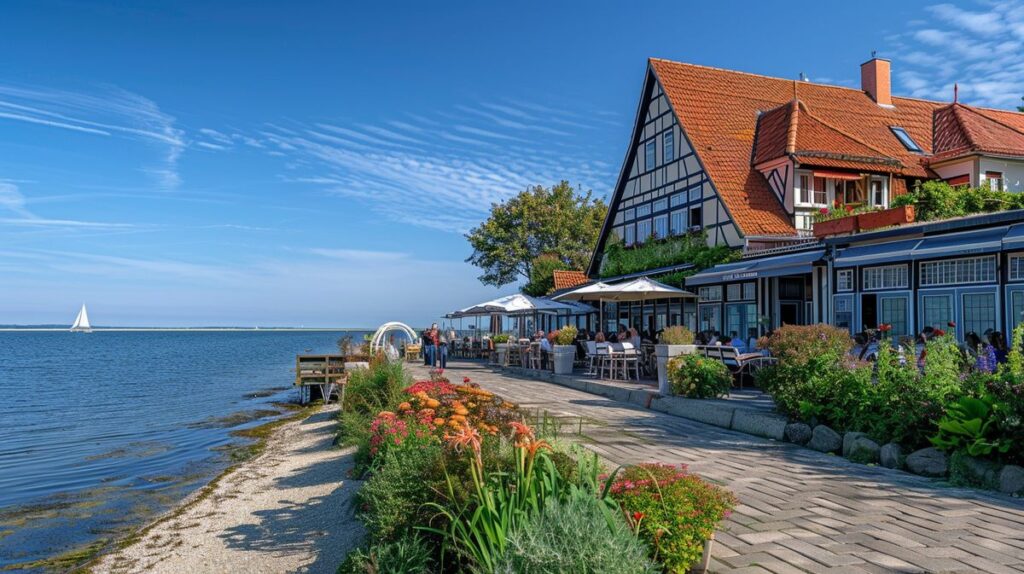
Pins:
x: 800, y: 510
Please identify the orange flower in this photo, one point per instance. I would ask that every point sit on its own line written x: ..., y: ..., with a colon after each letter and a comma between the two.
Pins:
x: 458, y: 418
x: 438, y: 422
x: 433, y: 403
x: 464, y: 437
x: 405, y: 407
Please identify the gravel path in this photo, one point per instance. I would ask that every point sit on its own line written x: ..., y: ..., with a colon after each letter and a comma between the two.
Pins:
x: 286, y: 510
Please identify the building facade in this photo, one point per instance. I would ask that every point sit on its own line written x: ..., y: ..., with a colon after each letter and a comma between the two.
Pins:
x: 749, y: 161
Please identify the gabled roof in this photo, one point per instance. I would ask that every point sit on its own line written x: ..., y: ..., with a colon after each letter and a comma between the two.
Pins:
x: 792, y: 131
x: 962, y: 130
x: 566, y: 279
x: 719, y: 110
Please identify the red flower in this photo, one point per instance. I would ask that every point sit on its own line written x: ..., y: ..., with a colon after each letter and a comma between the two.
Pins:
x: 939, y: 332
x: 638, y: 516
x: 823, y: 211
x: 849, y: 209
x: 465, y: 380
x: 885, y: 327
x: 951, y: 324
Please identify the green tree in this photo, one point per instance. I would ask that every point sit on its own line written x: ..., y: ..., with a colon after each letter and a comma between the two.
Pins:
x: 542, y: 274
x: 537, y: 221
x: 1021, y: 108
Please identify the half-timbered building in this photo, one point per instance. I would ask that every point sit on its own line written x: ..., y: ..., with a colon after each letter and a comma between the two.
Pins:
x: 748, y: 161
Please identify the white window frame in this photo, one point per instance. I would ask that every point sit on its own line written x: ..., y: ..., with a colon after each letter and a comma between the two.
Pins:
x: 643, y: 230
x: 709, y: 293
x: 883, y: 184
x: 1015, y: 267
x: 812, y: 193
x: 684, y: 222
x: 629, y: 234
x: 959, y: 271
x: 668, y: 146
x: 888, y: 277
x: 659, y: 205
x: 844, y: 280
x: 663, y: 220
x: 650, y: 155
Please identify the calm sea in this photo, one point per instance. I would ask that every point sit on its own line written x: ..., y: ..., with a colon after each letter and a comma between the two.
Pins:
x: 100, y: 432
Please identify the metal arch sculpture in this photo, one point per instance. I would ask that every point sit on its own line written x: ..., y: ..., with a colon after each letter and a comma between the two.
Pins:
x: 378, y: 342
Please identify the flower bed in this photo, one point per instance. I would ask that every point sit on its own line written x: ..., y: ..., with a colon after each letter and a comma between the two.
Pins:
x: 458, y: 481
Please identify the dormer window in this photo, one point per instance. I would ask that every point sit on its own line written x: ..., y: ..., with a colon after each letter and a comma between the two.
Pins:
x: 905, y: 139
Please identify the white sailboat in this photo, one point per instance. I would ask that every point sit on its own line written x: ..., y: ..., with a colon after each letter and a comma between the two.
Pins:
x: 81, y: 324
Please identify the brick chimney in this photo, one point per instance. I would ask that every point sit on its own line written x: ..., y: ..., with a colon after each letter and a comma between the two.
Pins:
x: 874, y: 79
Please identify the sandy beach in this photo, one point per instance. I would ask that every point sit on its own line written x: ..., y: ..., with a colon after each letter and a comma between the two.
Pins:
x: 287, y: 510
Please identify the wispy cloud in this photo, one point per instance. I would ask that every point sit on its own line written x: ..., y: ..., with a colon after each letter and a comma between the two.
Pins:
x: 980, y: 47
x: 109, y: 112
x: 441, y: 170
x: 13, y: 202
x: 359, y: 255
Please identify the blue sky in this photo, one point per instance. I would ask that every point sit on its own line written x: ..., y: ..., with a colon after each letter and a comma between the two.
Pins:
x: 316, y: 163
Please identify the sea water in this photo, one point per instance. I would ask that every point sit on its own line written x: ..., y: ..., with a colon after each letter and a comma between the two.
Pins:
x: 100, y: 432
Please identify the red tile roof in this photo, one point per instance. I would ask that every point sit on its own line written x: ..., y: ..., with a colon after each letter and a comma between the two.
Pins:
x: 569, y: 279
x: 962, y: 130
x: 791, y: 130
x: 719, y: 110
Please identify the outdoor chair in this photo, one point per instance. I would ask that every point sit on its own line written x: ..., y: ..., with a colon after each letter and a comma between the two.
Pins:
x: 592, y: 358
x: 535, y: 357
x: 742, y: 365
x: 629, y: 360
x: 604, y: 359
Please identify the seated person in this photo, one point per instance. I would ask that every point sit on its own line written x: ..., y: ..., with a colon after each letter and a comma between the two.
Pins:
x: 723, y: 341
x: 599, y: 337
x: 738, y: 343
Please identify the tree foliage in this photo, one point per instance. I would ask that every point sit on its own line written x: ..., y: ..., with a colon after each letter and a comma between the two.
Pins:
x: 542, y: 274
x: 692, y: 248
x: 539, y: 220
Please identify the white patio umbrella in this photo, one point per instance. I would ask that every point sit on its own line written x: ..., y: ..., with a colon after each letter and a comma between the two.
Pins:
x: 517, y: 304
x: 590, y: 292
x: 640, y: 288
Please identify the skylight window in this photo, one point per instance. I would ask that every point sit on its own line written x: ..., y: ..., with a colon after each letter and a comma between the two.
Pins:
x: 905, y: 139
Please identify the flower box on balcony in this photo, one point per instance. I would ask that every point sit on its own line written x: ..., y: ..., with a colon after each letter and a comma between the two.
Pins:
x: 886, y: 217
x: 836, y: 226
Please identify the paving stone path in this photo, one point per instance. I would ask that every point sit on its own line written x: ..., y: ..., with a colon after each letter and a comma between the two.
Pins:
x: 800, y: 510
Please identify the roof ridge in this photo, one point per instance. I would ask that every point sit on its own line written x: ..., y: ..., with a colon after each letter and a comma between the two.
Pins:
x: 766, y: 76
x: 971, y: 109
x: 791, y: 131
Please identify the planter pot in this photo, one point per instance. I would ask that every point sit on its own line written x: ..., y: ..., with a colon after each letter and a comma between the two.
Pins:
x: 502, y: 350
x: 886, y: 217
x: 564, y: 357
x: 705, y: 560
x: 835, y: 226
x: 663, y: 354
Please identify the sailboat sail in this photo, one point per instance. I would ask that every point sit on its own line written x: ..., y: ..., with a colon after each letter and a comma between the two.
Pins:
x: 82, y: 321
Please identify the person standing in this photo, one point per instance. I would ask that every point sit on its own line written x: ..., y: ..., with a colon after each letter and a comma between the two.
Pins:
x: 442, y: 348
x: 430, y: 346
x: 424, y: 341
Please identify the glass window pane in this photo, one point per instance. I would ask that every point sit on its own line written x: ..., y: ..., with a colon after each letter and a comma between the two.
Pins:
x: 649, y: 156
x: 937, y: 311
x: 979, y: 312
x: 1016, y: 308
x: 894, y: 312
x: 669, y: 146
x: 710, y: 318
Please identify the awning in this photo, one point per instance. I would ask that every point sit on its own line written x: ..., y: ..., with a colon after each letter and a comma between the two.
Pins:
x: 967, y: 243
x: 1014, y: 238
x: 837, y: 174
x: 795, y: 264
x: 876, y: 253
x: 720, y: 273
x: 778, y: 266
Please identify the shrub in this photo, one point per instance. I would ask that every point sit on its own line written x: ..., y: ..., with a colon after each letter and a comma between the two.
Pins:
x: 375, y: 389
x: 939, y: 200
x: 970, y: 425
x: 621, y: 260
x: 566, y: 335
x: 567, y: 537
x: 674, y: 511
x: 676, y: 335
x: 698, y: 377
x: 403, y: 480
x: 500, y: 338
x: 409, y: 555
x: 796, y: 345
